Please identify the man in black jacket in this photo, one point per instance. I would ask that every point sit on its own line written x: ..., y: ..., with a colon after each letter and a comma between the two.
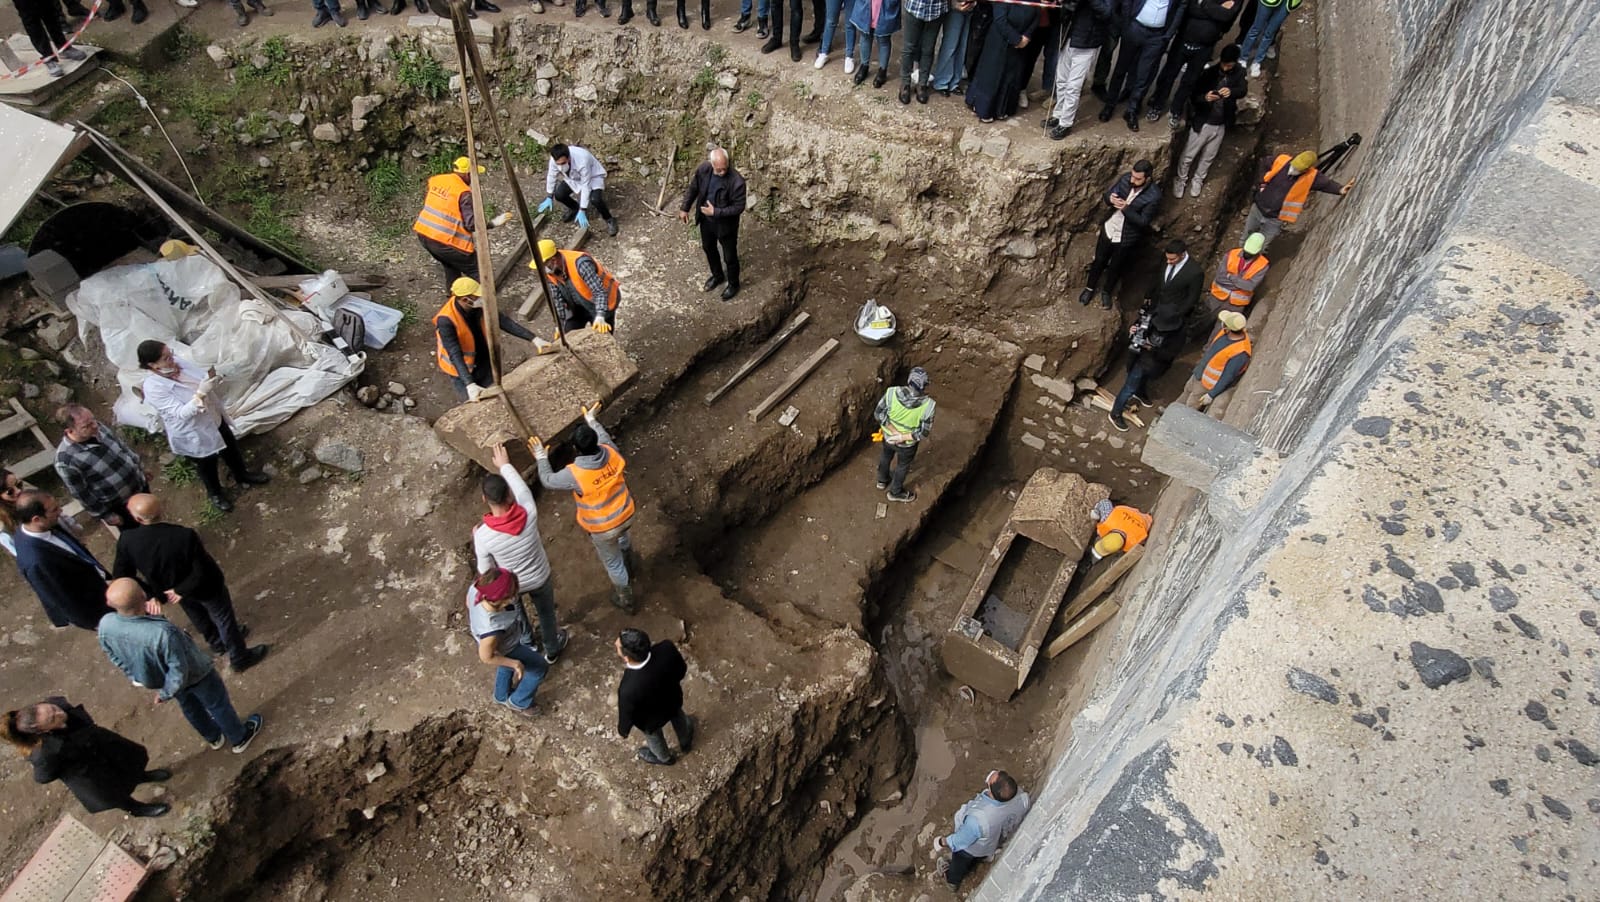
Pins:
x: 1091, y: 22
x: 1212, y: 108
x: 1147, y: 29
x: 1204, y: 24
x: 174, y: 566
x: 716, y: 195
x: 651, y: 695
x: 1158, y: 335
x: 1133, y: 198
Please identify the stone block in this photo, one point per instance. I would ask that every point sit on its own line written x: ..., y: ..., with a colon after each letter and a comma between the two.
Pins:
x: 1194, y: 449
x: 52, y: 275
x: 1061, y: 388
x: 997, y: 146
x: 971, y: 141
x: 547, y: 391
x: 326, y: 131
x: 1033, y: 441
x: 219, y: 56
x: 586, y: 93
x: 1054, y: 509
x: 1034, y: 362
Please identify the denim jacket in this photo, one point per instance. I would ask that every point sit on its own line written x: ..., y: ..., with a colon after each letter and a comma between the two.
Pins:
x: 153, y: 652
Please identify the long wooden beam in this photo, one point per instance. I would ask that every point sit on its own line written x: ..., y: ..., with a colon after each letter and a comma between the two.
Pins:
x: 767, y: 350
x: 1101, y: 585
x: 794, y: 380
x: 1085, y: 625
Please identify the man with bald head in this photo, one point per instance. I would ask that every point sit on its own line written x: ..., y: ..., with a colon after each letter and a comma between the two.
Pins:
x: 155, y: 654
x: 173, y: 565
x: 716, y: 195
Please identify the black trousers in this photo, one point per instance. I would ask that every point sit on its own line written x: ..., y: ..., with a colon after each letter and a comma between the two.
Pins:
x: 1102, y: 66
x: 1136, y: 65
x: 721, y: 244
x: 1110, y: 259
x: 961, y: 864
x: 456, y: 263
x: 797, y: 15
x: 597, y: 197
x: 207, y: 466
x: 218, y: 625
x: 1191, y: 58
x: 41, y: 19
x: 901, y: 457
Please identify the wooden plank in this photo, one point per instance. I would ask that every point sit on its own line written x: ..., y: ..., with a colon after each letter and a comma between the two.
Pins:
x: 794, y: 380
x: 511, y: 264
x: 18, y: 422
x: 767, y: 350
x: 666, y: 176
x: 1085, y: 625
x: 34, y: 463
x: 1100, y: 400
x: 355, y: 281
x: 1101, y: 585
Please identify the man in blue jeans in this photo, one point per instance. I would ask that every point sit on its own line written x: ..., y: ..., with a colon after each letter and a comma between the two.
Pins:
x: 155, y: 654
x: 950, y: 62
x: 761, y: 17
x: 505, y: 640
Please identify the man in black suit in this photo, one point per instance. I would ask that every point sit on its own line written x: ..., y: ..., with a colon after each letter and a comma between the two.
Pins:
x: 70, y: 583
x: 1133, y: 199
x: 1158, y: 334
x: 716, y: 195
x: 174, y: 566
x: 651, y: 695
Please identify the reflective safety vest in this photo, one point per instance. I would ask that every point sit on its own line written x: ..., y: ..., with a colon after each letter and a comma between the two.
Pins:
x: 903, y: 420
x: 1235, y: 296
x: 1295, y: 202
x: 569, y: 261
x: 1219, y: 360
x: 469, y: 343
x: 440, y: 218
x: 604, y: 502
x: 1293, y: 4
x: 1132, y: 523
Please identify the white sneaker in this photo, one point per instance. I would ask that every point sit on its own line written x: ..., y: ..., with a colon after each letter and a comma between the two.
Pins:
x: 849, y: 65
x: 916, y: 71
x: 822, y: 60
x: 1177, y: 189
x: 1255, y: 70
x: 1022, y: 101
x: 188, y: 3
x: 1272, y: 50
x: 1195, y: 186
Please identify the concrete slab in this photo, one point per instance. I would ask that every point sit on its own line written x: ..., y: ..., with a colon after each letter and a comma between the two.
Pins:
x: 1194, y: 449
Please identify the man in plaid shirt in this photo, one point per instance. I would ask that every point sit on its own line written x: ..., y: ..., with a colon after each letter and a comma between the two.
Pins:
x: 97, y: 468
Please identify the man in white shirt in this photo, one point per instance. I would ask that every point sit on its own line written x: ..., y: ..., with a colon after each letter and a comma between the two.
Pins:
x: 576, y: 179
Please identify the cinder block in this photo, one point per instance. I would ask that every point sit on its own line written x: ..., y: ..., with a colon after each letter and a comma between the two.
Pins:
x: 52, y: 275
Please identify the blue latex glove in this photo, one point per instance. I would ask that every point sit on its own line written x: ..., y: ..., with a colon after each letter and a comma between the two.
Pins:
x: 545, y: 207
x: 583, y: 220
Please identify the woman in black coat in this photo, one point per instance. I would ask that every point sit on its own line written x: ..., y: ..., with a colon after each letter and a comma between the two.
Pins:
x: 101, y: 768
x: 997, y: 82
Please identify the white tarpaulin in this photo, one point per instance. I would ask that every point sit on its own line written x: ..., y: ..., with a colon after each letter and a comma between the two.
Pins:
x: 268, y: 372
x: 33, y: 149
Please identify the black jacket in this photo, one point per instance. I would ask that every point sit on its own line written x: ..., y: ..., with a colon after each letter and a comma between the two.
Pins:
x: 1205, y: 21
x: 99, y: 766
x: 1172, y: 300
x: 1136, y: 218
x: 1091, y: 24
x: 728, y: 198
x: 165, y: 556
x: 1126, y: 15
x: 72, y: 590
x: 647, y: 698
x: 1211, y: 78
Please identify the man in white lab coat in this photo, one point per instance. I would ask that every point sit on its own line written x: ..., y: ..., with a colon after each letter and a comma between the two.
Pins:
x: 576, y: 179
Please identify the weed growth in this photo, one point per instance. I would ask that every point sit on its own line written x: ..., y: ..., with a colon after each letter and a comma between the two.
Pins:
x: 385, y: 182
x: 275, y: 67
x: 419, y: 71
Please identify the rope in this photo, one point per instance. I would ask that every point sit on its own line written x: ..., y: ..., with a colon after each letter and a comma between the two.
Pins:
x: 93, y: 14
x: 145, y: 104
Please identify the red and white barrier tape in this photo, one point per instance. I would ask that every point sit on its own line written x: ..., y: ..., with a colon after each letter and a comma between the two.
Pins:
x: 94, y: 12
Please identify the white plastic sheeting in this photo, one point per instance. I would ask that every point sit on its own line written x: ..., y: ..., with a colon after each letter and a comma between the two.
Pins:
x: 267, y: 372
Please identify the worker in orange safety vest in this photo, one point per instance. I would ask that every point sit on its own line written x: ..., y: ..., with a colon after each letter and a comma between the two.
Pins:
x: 1282, y: 191
x: 1119, y: 528
x: 1240, y: 273
x: 585, y: 293
x: 605, y: 507
x: 459, y: 343
x: 1224, y: 360
x: 445, y: 224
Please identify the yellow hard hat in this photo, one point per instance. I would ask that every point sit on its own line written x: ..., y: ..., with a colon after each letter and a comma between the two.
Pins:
x: 547, y: 249
x: 173, y: 249
x: 462, y: 166
x: 1303, y: 160
x: 465, y: 287
x: 1232, y: 320
x: 1110, y: 543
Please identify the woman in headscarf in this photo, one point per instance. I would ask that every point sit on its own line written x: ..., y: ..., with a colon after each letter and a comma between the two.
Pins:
x: 181, y: 393
x: 102, y: 768
x: 998, y: 80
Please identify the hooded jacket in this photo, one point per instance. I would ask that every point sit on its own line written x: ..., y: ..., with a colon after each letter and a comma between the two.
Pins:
x: 512, y: 540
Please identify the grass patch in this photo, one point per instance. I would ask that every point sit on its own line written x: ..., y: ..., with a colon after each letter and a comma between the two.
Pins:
x: 385, y: 182
x: 267, y: 213
x: 133, y: 435
x: 529, y: 152
x: 444, y: 158
x: 181, y: 44
x: 408, y: 311
x: 393, y: 229
x: 420, y: 72
x: 211, y: 515
x: 705, y: 79
x: 180, y: 471
x: 754, y: 98
x: 271, y: 64
x: 802, y: 90
x: 117, y: 115
x: 715, y: 54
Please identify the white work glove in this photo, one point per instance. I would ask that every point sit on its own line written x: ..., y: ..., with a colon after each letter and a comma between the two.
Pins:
x: 537, y: 447
x: 473, y: 391
x: 589, y: 412
x: 502, y: 219
x: 206, y: 385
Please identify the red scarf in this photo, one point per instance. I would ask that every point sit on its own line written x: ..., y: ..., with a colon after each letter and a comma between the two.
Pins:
x: 511, y: 522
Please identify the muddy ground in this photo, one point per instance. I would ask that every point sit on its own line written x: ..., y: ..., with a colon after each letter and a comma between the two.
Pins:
x: 810, y: 624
